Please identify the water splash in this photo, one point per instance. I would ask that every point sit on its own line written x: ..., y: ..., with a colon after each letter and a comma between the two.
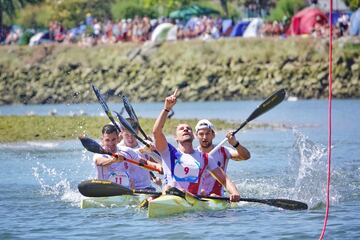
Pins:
x: 308, y: 165
x: 54, y: 183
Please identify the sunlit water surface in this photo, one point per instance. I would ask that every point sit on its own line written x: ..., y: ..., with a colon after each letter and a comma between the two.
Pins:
x: 39, y: 197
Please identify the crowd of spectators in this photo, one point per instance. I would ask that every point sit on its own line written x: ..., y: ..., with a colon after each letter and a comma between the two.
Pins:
x: 139, y: 29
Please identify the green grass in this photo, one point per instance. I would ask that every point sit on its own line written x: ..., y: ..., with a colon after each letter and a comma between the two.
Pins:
x: 25, y: 128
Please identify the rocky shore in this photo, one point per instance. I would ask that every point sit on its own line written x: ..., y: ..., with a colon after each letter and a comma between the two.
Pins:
x: 228, y: 69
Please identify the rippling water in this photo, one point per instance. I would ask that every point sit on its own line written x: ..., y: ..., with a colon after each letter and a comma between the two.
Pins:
x: 39, y: 181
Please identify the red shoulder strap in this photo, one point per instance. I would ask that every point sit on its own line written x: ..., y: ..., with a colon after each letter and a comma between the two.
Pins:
x: 222, y: 150
x: 194, y: 187
x: 217, y: 188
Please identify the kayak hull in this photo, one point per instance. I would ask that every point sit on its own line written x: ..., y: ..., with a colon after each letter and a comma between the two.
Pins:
x: 167, y: 205
x: 110, y: 202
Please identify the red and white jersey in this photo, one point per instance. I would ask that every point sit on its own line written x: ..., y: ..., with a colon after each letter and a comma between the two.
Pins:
x: 221, y: 159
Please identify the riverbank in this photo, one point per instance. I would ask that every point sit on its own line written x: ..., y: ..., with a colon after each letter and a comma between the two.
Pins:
x: 29, y: 128
x: 227, y: 69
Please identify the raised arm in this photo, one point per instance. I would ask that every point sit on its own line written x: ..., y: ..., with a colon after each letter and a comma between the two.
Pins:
x: 221, y: 176
x: 160, y: 139
x: 241, y: 152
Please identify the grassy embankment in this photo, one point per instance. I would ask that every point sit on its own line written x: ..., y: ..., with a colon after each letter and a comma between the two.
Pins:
x: 227, y: 69
x: 25, y: 128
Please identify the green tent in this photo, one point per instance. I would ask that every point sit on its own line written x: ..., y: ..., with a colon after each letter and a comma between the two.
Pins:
x: 193, y: 10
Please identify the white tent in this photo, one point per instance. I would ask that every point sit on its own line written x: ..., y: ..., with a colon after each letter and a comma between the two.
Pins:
x: 164, y: 32
x: 253, y: 30
x: 337, y: 5
x: 36, y: 39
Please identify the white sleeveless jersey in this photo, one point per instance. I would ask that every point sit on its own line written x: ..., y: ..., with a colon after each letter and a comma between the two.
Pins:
x: 184, y: 170
x: 116, y: 172
x: 138, y: 175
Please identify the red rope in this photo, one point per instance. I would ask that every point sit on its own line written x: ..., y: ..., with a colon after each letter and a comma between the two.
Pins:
x: 329, y: 123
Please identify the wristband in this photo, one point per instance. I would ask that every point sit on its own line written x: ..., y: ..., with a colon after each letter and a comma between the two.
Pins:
x: 236, y: 144
x: 166, y: 110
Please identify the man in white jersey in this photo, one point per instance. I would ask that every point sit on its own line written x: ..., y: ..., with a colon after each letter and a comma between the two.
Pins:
x: 184, y: 166
x: 129, y: 144
x: 108, y: 167
x: 205, y: 133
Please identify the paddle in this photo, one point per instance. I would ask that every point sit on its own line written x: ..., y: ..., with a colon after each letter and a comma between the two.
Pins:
x: 130, y: 110
x: 92, y: 146
x: 128, y: 126
x: 105, y: 106
x: 268, y: 104
x: 100, y: 188
x: 103, y: 188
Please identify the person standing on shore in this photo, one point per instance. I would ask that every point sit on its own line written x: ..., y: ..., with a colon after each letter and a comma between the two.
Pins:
x: 183, y: 167
x: 205, y: 133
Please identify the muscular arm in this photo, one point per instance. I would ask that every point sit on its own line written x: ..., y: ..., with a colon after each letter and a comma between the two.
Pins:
x: 241, y: 152
x: 221, y: 176
x: 103, y: 161
x: 160, y: 139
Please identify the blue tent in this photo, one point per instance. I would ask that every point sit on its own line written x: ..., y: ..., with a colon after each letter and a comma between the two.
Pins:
x: 240, y: 28
x: 336, y: 15
x: 355, y: 23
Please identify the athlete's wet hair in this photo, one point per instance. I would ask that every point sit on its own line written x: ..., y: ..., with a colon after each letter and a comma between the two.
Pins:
x: 109, y: 128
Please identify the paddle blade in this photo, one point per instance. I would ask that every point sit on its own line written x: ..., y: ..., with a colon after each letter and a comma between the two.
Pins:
x: 92, y: 146
x: 100, y: 98
x: 125, y: 124
x: 289, y: 204
x: 268, y: 104
x: 105, y: 106
x: 102, y: 188
x: 129, y: 109
x: 131, y: 112
x: 280, y: 203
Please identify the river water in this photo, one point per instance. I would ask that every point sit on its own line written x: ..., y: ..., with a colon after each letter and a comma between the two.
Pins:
x: 39, y: 197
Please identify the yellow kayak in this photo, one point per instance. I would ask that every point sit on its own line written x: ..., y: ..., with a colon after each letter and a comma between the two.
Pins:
x: 110, y: 202
x: 101, y: 193
x: 167, y: 205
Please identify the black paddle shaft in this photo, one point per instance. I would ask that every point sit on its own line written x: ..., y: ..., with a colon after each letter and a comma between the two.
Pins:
x: 128, y: 126
x: 131, y: 112
x: 105, y: 106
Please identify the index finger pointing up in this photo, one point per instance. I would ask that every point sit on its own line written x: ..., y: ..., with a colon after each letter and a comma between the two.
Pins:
x: 176, y: 92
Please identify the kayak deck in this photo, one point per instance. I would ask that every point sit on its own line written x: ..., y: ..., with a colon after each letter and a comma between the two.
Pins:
x: 110, y: 202
x: 167, y: 205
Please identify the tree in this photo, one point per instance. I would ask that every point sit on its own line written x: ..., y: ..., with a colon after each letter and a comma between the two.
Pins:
x: 35, y: 16
x: 71, y: 12
x: 223, y: 4
x: 9, y: 7
x: 166, y: 6
x: 286, y: 9
x: 353, y: 4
